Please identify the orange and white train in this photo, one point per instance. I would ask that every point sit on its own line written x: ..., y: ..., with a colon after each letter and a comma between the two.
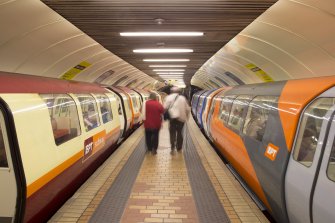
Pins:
x: 279, y: 140
x: 53, y: 135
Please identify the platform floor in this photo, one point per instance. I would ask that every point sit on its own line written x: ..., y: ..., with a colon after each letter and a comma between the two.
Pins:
x: 134, y: 186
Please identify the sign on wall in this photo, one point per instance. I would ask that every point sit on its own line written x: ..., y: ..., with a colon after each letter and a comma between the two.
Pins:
x: 259, y: 72
x: 74, y: 71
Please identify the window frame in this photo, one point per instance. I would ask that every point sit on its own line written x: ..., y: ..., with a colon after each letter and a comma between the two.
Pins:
x: 252, y: 105
x: 248, y: 98
x: 58, y: 110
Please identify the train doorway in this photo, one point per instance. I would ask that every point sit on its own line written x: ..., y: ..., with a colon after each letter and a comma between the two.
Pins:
x: 8, y: 184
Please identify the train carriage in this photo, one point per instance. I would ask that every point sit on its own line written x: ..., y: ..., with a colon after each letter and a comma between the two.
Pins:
x: 279, y: 138
x: 124, y: 110
x: 195, y: 100
x: 208, y: 110
x: 54, y: 134
x: 135, y: 104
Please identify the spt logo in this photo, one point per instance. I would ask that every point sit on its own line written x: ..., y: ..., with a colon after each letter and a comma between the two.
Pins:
x: 271, y: 151
x: 88, y: 147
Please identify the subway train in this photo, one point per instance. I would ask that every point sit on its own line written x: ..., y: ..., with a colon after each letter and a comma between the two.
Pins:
x: 53, y: 135
x: 278, y: 139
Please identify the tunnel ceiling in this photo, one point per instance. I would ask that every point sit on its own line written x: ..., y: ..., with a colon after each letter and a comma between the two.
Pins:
x: 103, y: 20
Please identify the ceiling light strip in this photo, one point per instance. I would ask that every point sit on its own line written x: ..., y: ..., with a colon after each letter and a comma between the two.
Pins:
x: 168, y: 70
x: 166, y: 60
x: 167, y: 65
x: 163, y: 50
x: 153, y: 34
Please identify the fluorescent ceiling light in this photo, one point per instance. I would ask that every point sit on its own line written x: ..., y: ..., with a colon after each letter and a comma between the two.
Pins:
x: 168, y: 70
x: 163, y: 50
x: 167, y: 66
x: 167, y: 73
x: 166, y: 60
x: 172, y: 77
x: 162, y: 34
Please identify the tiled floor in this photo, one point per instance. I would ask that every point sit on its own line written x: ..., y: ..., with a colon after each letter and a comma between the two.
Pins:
x: 162, y: 191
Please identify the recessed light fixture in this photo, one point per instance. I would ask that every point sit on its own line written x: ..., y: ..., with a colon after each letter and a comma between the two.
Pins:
x: 166, y: 60
x: 167, y: 73
x: 163, y: 50
x: 168, y: 70
x: 167, y: 66
x: 162, y: 34
x: 171, y: 76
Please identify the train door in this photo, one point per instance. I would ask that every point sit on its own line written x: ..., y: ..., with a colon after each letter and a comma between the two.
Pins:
x: 8, y: 185
x: 324, y: 194
x: 122, y: 116
x: 305, y: 160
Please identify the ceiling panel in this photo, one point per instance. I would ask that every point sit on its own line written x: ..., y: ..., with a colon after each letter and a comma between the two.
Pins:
x: 103, y: 20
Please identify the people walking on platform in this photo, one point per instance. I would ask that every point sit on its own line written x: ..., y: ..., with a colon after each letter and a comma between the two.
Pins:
x: 179, y: 110
x: 152, y: 115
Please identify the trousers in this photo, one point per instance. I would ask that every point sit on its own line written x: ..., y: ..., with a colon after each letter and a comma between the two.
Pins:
x: 176, y: 134
x: 151, y: 139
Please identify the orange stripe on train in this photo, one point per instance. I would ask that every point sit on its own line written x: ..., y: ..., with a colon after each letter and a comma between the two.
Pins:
x: 40, y: 182
x: 292, y: 101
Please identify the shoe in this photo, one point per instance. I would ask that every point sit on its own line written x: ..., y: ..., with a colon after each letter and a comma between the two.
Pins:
x: 147, y: 151
x: 179, y: 150
x: 154, y: 152
x: 172, y: 152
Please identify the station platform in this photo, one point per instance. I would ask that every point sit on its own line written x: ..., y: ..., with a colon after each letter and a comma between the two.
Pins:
x: 193, y: 185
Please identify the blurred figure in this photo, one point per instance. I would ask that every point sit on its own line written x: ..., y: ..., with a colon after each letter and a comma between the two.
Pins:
x: 179, y: 111
x: 152, y: 115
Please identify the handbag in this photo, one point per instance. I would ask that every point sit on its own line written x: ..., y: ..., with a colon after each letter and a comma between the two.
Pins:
x: 166, y: 114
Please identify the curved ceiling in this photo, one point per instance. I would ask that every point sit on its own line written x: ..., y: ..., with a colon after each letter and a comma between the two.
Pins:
x: 35, y: 40
x: 104, y: 20
x: 292, y: 39
x: 241, y: 44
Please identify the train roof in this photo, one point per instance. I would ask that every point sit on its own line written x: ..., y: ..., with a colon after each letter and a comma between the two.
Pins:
x: 20, y: 83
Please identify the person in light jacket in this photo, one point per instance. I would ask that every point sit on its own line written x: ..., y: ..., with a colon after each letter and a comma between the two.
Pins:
x: 179, y: 111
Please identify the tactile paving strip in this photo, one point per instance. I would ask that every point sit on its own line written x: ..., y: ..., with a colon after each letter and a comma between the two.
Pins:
x: 113, y: 204
x: 207, y: 202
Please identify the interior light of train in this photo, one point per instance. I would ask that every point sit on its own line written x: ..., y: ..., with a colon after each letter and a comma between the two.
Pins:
x: 167, y: 65
x: 163, y: 50
x: 162, y: 34
x: 166, y: 60
x: 168, y: 70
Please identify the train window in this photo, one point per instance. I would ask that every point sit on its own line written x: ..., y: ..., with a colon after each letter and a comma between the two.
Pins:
x: 63, y: 116
x: 133, y: 99
x: 105, y: 108
x: 240, y: 104
x: 257, y: 116
x: 3, y: 158
x: 201, y: 100
x: 89, y: 111
x: 309, y: 131
x: 331, y: 164
x: 211, y: 110
x: 225, y: 108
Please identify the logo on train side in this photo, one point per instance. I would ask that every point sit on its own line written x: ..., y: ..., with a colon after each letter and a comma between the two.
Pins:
x: 271, y: 151
x: 93, y: 144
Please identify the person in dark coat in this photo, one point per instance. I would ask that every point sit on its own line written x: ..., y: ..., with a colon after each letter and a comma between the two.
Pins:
x: 152, y: 116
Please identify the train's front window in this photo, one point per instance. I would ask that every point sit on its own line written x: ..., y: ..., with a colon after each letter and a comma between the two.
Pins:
x: 309, y: 131
x: 3, y: 158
